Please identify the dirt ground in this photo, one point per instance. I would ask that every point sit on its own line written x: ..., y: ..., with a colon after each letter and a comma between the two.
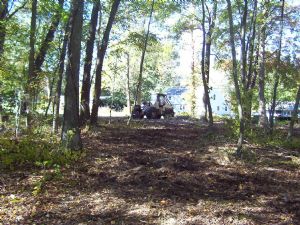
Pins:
x: 159, y: 172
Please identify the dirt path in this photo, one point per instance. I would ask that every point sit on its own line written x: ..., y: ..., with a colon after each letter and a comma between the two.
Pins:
x: 163, y: 172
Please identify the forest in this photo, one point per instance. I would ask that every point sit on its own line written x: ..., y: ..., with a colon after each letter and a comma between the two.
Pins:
x: 149, y: 112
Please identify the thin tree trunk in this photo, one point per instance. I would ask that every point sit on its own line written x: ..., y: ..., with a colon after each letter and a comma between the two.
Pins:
x: 204, y: 80
x: 60, y: 77
x: 294, y: 117
x: 30, y: 86
x: 100, y: 58
x: 263, y: 120
x: 205, y: 61
x: 128, y: 84
x: 3, y: 15
x: 251, y: 63
x: 243, y: 44
x: 193, y: 95
x: 276, y: 82
x: 207, y: 58
x: 41, y: 54
x: 138, y: 97
x: 70, y: 130
x: 40, y: 58
x: 50, y: 96
x: 236, y: 82
x: 86, y: 81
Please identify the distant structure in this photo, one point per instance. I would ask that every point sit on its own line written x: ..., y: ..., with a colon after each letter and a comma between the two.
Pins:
x: 283, y: 110
x: 178, y: 96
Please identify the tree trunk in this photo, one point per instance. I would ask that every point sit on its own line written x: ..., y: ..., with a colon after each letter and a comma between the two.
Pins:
x: 294, y: 114
x: 70, y: 131
x: 86, y: 81
x: 252, y: 72
x: 204, y: 80
x: 30, y: 85
x: 208, y: 42
x: 263, y: 120
x: 236, y: 82
x: 3, y: 15
x: 276, y: 82
x: 100, y: 58
x: 60, y: 77
x: 193, y: 95
x: 128, y: 84
x: 51, y: 86
x: 41, y: 54
x: 243, y: 44
x: 40, y: 58
x: 138, y: 97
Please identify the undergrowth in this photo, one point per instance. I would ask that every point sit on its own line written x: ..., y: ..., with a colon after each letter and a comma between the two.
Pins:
x: 255, y: 135
x: 34, y: 150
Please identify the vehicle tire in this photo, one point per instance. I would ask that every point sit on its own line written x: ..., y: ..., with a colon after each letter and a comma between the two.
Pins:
x: 137, y: 112
x: 169, y: 113
x: 151, y: 113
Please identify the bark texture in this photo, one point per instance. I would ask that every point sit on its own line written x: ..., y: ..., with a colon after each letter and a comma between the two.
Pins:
x: 60, y: 77
x: 3, y: 15
x: 236, y: 82
x: 40, y: 58
x: 30, y: 82
x: 100, y: 58
x: 263, y: 120
x: 86, y: 80
x: 277, y: 76
x: 205, y: 61
x: 70, y: 131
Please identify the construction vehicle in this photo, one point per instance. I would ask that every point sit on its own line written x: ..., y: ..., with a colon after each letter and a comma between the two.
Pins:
x: 161, y: 107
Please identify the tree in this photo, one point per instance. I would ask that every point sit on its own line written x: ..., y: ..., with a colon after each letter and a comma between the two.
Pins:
x: 277, y: 77
x: 190, y: 23
x: 3, y: 15
x: 236, y: 82
x: 206, y: 53
x: 40, y: 58
x: 70, y: 130
x: 100, y: 58
x: 86, y: 81
x: 128, y: 83
x: 60, y: 76
x: 138, y: 94
x: 30, y: 85
x: 263, y: 120
x: 294, y: 117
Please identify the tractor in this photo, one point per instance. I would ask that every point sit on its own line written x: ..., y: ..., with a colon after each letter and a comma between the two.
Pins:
x: 161, y: 107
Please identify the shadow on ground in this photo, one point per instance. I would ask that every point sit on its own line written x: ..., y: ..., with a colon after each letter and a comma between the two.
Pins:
x: 171, y: 173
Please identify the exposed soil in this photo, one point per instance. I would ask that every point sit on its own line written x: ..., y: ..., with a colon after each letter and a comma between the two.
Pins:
x: 159, y: 172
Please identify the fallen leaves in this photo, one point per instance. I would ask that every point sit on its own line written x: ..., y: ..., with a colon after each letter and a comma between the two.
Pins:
x: 172, y: 175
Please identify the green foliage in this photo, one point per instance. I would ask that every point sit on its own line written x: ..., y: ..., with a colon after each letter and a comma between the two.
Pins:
x: 34, y: 150
x: 137, y: 40
x: 116, y: 101
x: 232, y: 126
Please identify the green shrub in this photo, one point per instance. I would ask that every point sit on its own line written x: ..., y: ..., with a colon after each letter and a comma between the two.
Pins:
x: 34, y: 151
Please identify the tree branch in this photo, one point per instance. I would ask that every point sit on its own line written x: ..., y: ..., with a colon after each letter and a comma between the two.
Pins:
x: 17, y: 9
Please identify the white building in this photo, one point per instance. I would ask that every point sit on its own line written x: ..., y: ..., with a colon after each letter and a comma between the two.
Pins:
x: 178, y: 96
x: 284, y: 110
